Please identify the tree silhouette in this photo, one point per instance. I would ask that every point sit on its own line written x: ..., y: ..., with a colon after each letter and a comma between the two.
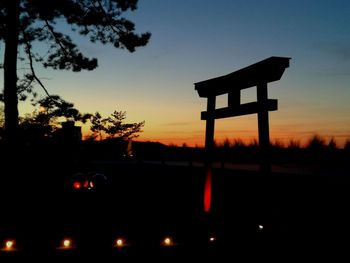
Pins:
x: 43, y: 122
x: 26, y: 24
x: 51, y: 113
x: 54, y: 107
x: 114, y: 126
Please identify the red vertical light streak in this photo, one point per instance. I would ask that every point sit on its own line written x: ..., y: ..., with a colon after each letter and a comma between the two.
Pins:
x: 207, y: 191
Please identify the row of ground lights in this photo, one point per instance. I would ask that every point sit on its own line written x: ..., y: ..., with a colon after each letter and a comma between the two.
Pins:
x: 68, y: 243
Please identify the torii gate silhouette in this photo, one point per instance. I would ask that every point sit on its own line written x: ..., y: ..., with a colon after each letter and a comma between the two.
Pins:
x: 256, y: 75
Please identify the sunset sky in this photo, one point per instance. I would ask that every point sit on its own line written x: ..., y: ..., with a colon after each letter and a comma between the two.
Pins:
x: 194, y: 40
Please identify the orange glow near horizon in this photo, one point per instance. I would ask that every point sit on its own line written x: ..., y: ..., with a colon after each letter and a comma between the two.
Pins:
x: 207, y: 191
x: 242, y: 129
x: 283, y: 140
x: 275, y: 137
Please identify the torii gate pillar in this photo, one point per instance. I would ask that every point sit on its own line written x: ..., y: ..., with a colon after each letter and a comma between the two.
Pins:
x: 209, y: 128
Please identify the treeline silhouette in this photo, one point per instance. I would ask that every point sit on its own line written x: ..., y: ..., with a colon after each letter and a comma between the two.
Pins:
x: 317, y: 151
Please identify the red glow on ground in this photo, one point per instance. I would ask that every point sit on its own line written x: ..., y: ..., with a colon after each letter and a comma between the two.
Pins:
x: 207, y: 191
x: 77, y: 185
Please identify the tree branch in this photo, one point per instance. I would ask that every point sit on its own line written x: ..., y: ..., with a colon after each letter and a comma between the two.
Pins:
x: 112, y: 27
x: 58, y: 42
x: 30, y: 57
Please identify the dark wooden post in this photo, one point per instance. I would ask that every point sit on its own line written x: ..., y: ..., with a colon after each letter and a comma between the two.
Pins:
x: 209, y: 131
x: 263, y: 128
x: 234, y: 99
x: 209, y: 152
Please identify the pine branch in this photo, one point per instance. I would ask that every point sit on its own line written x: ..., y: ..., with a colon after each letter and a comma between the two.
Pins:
x: 30, y: 57
x: 58, y: 42
x: 109, y: 20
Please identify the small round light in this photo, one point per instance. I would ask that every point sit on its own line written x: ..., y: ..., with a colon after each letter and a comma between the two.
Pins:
x: 119, y: 242
x: 9, y: 244
x: 67, y: 243
x: 260, y: 227
x: 168, y: 242
x: 212, y: 239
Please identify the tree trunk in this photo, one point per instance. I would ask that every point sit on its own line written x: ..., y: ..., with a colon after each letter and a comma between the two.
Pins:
x: 10, y: 70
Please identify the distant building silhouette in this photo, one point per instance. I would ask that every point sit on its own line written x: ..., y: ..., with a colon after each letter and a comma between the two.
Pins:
x: 69, y: 132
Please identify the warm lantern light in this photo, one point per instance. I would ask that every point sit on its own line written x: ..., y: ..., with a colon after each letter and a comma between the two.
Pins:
x: 212, y: 239
x: 207, y: 191
x: 120, y: 242
x: 260, y: 227
x: 66, y: 243
x: 9, y: 245
x: 168, y: 242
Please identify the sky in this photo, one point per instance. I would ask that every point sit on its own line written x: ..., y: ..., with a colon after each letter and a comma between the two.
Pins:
x: 195, y: 40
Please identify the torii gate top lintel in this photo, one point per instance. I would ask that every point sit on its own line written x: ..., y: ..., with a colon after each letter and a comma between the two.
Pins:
x: 268, y: 70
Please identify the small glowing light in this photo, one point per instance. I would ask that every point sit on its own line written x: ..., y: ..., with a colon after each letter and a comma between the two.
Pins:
x: 119, y: 242
x: 168, y: 242
x: 67, y: 243
x: 77, y: 185
x: 98, y: 181
x: 212, y: 239
x: 261, y: 227
x: 9, y: 244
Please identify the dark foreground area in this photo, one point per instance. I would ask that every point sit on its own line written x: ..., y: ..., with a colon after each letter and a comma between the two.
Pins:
x: 283, y: 217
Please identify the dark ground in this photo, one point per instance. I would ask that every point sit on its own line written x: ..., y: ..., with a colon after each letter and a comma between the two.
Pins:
x: 305, y: 217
